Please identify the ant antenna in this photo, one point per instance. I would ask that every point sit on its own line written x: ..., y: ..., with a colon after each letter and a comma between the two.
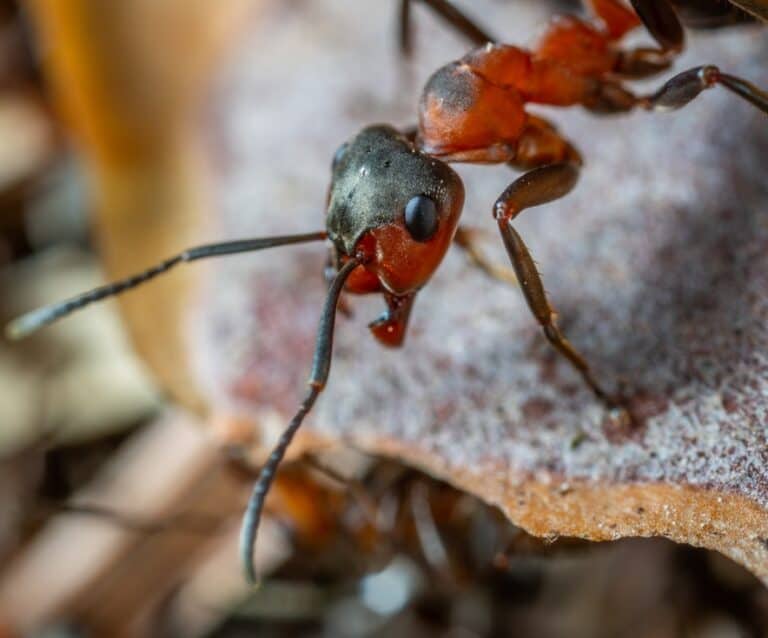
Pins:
x: 30, y: 322
x: 321, y: 366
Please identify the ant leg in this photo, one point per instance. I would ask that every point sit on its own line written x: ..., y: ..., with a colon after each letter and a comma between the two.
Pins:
x: 642, y: 62
x: 541, y: 144
x: 404, y: 29
x: 617, y: 18
x: 538, y: 144
x: 450, y: 14
x: 686, y: 86
x: 662, y: 22
x: 540, y: 186
x: 757, y: 8
x: 466, y: 239
x: 612, y: 97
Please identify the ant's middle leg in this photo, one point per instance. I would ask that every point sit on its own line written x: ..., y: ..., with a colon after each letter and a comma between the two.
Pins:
x: 686, y: 86
x: 611, y: 97
x: 467, y: 239
x: 540, y: 186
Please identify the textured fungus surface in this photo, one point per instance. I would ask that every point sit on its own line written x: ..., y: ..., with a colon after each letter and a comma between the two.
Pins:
x: 657, y: 264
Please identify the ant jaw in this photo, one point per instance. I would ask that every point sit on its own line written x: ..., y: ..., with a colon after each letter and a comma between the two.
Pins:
x: 365, y: 249
x: 388, y: 332
x: 362, y: 280
x: 391, y: 327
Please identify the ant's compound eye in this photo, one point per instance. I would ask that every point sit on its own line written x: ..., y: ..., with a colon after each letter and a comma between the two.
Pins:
x: 421, y: 218
x: 339, y: 155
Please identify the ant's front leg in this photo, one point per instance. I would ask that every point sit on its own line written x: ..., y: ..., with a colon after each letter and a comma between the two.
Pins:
x: 540, y: 186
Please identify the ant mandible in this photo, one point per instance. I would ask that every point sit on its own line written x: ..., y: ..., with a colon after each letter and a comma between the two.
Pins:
x: 394, y: 203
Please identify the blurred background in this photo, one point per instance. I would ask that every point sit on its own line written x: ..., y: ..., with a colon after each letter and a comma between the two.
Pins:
x: 120, y: 494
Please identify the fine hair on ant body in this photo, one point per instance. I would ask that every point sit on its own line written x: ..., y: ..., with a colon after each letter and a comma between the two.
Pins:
x: 394, y: 202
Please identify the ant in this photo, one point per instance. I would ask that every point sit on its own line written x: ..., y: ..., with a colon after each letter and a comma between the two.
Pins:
x: 394, y: 203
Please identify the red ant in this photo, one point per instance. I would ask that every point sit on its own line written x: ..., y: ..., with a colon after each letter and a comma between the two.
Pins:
x: 394, y: 203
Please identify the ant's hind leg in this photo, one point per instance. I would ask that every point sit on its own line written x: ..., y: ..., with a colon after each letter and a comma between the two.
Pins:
x: 757, y: 8
x: 540, y: 186
x: 662, y: 22
x: 446, y: 10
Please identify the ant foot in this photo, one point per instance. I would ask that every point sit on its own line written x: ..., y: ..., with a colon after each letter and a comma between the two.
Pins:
x: 620, y: 412
x: 620, y: 417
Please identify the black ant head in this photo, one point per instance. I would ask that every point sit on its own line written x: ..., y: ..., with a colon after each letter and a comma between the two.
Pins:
x: 395, y: 205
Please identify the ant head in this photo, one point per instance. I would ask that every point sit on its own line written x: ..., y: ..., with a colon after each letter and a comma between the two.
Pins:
x: 394, y: 204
